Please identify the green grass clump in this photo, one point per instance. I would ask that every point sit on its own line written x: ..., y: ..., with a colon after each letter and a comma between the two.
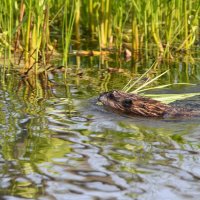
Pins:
x: 33, y: 26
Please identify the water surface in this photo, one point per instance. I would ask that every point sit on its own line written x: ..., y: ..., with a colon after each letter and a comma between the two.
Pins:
x: 57, y: 143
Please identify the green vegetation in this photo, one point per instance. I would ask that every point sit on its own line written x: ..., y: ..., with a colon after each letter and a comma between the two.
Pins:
x: 37, y: 31
x: 38, y: 28
x: 51, y: 127
x: 165, y: 98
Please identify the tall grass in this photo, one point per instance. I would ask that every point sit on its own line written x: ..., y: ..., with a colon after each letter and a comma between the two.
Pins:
x: 6, y: 25
x: 67, y: 27
x: 31, y: 26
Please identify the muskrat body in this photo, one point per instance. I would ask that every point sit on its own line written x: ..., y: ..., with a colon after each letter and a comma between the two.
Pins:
x: 134, y: 104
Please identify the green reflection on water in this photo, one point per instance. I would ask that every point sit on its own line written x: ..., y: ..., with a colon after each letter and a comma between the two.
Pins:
x: 36, y: 119
x: 142, y: 146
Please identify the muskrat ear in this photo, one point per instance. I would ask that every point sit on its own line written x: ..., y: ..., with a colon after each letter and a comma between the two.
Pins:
x: 127, y: 103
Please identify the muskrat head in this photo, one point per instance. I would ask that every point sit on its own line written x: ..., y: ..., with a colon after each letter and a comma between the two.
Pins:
x: 133, y: 104
x: 117, y: 100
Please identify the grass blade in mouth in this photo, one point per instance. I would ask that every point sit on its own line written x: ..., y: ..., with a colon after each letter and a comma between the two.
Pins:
x: 169, y: 98
x: 130, y: 85
x: 148, y: 82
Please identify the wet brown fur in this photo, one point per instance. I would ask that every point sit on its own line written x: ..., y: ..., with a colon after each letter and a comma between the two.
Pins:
x: 134, y: 104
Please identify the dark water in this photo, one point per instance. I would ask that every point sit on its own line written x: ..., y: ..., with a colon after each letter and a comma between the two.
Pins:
x: 57, y: 143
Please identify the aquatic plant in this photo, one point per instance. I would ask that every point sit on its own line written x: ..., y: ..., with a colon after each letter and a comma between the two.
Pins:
x: 142, y: 87
x: 70, y: 10
x: 36, y: 28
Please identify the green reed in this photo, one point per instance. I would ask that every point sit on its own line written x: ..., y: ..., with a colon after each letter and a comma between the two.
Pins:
x: 77, y: 20
x: 33, y: 26
x: 91, y: 19
x: 6, y: 26
x: 67, y: 26
x: 119, y: 20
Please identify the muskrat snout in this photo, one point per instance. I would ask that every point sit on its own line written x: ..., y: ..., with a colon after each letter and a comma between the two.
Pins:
x: 102, y: 96
x: 107, y: 96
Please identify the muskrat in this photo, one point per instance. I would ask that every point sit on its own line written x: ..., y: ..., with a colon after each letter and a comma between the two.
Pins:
x: 133, y: 104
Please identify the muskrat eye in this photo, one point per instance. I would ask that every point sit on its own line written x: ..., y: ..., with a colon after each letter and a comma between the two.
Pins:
x: 111, y: 96
x: 127, y: 103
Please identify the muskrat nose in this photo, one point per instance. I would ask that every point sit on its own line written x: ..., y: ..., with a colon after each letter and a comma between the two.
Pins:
x: 102, y: 96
